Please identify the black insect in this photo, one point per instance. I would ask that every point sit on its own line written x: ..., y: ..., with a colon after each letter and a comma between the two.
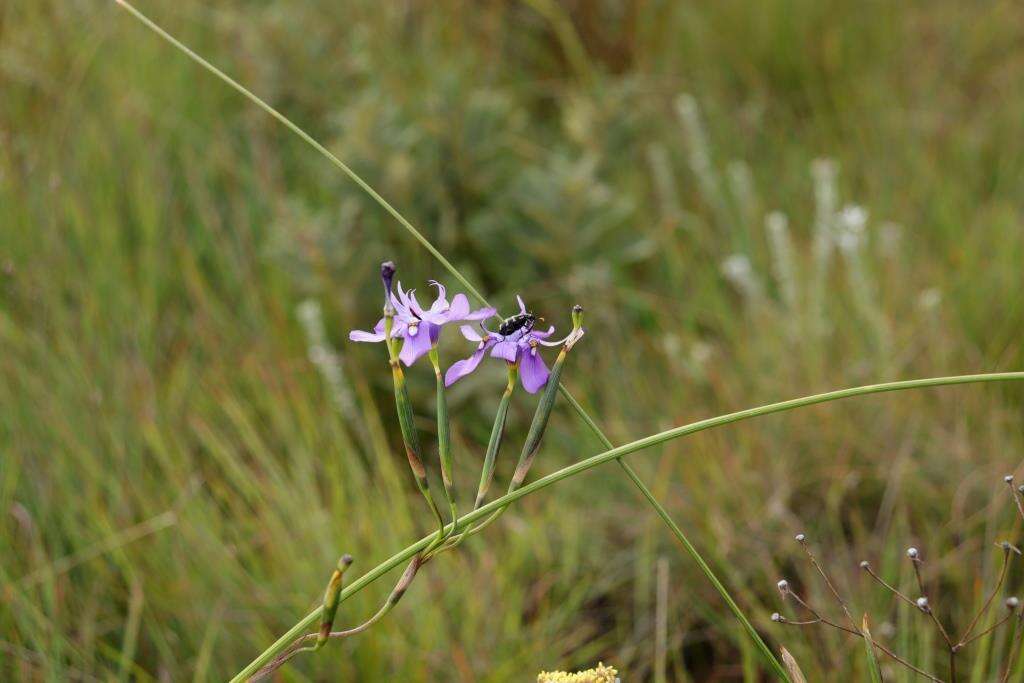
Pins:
x: 515, y: 323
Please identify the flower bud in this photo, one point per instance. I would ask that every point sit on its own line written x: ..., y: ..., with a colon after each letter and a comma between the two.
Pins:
x: 912, y: 553
x: 1012, y: 602
x: 864, y: 564
x: 783, y: 586
x: 800, y: 538
x: 778, y: 618
x: 387, y: 276
x: 1008, y: 478
x: 922, y: 603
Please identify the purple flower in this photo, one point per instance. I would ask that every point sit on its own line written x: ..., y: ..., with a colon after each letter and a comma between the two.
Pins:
x: 515, y: 341
x: 419, y: 327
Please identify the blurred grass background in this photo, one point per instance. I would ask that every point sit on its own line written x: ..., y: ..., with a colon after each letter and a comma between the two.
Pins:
x: 183, y: 458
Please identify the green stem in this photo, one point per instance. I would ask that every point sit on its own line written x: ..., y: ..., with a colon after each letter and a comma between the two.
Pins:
x: 599, y: 459
x: 497, y: 432
x: 444, y: 436
x: 765, y: 651
x: 306, y: 137
x: 410, y: 436
x: 533, y: 438
x: 493, y: 446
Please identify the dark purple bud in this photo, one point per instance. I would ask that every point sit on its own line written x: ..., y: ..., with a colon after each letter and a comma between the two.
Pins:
x: 387, y: 274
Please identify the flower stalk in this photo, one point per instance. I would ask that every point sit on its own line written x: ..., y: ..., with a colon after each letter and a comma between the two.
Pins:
x: 444, y: 437
x: 547, y: 402
x: 497, y: 433
x: 402, y: 403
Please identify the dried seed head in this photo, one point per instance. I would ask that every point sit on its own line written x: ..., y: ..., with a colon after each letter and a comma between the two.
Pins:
x: 912, y: 553
x: 1008, y: 478
x: 800, y: 538
x: 778, y: 618
x: 864, y: 564
x: 922, y: 603
x: 783, y: 586
x: 345, y: 561
x: 1011, y: 603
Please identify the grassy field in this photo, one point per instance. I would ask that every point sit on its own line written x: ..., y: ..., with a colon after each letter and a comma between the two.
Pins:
x: 188, y: 440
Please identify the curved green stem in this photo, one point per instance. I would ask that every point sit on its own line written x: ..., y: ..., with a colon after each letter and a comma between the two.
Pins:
x: 493, y: 447
x: 601, y: 458
x: 766, y: 652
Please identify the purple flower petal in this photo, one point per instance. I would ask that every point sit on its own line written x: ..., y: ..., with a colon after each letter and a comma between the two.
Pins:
x: 481, y: 314
x: 417, y: 343
x: 532, y: 371
x: 361, y: 336
x: 470, y: 333
x: 543, y: 335
x: 440, y: 304
x: 461, y: 368
x: 459, y: 308
x: 376, y: 336
x: 505, y: 349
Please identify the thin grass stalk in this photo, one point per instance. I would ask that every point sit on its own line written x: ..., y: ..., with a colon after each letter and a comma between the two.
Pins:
x: 688, y: 546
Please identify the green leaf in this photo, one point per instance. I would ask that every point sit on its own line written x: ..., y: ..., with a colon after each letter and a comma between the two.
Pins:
x: 874, y: 673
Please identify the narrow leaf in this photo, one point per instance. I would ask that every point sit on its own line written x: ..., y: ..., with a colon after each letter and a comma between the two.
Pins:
x: 792, y: 667
x: 874, y: 673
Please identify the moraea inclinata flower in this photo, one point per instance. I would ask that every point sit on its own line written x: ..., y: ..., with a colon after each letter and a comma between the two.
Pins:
x: 515, y: 342
x: 420, y: 328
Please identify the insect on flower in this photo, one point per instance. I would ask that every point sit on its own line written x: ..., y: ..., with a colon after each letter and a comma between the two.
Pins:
x: 515, y: 342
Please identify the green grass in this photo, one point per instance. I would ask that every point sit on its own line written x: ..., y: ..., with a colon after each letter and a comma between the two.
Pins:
x: 159, y: 233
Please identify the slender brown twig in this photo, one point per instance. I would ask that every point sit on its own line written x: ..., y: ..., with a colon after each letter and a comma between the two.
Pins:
x: 867, y: 567
x: 1014, y: 494
x: 984, y: 633
x: 984, y: 608
x: 802, y: 540
x: 856, y: 632
x: 1013, y: 648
